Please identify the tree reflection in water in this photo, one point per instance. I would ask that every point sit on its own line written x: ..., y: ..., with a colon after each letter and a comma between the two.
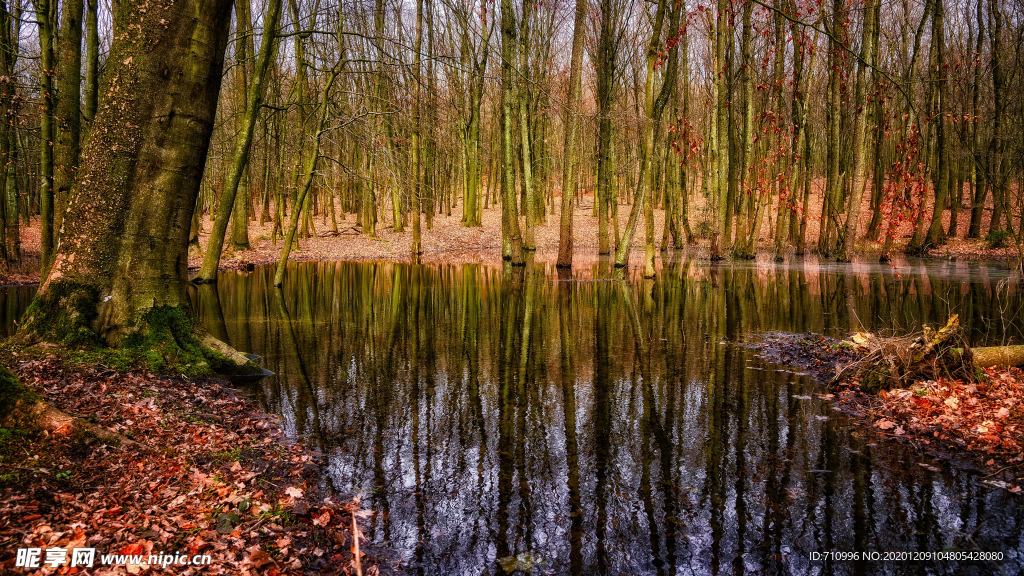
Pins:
x: 608, y: 426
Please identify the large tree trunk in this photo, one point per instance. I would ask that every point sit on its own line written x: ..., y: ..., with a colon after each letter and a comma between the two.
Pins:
x: 119, y: 274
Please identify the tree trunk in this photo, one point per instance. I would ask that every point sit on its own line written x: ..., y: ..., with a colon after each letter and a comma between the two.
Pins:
x: 92, y: 60
x: 239, y: 209
x: 512, y: 243
x: 240, y: 158
x: 119, y: 274
x: 721, y: 239
x: 605, y: 156
x: 46, y: 241
x: 9, y: 30
x: 860, y: 145
x: 936, y: 231
x: 66, y: 109
x: 526, y: 149
x: 570, y: 150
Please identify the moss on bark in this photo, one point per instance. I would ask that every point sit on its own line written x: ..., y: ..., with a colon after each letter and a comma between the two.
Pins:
x: 163, y: 339
x: 63, y: 314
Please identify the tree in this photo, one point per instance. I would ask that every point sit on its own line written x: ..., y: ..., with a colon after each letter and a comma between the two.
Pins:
x: 569, y: 159
x: 511, y: 235
x: 10, y: 248
x: 67, y: 111
x: 722, y: 236
x: 44, y: 15
x: 119, y: 275
x: 240, y: 158
x: 860, y: 145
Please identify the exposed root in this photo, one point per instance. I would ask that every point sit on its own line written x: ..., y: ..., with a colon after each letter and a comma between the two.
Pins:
x: 24, y: 409
x: 888, y: 363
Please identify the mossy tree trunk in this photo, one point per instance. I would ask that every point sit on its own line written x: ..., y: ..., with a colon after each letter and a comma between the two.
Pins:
x: 44, y: 19
x: 512, y: 237
x: 10, y: 250
x: 123, y: 256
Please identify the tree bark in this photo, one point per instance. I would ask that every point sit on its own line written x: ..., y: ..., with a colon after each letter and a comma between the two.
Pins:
x: 512, y: 243
x: 570, y: 162
x: 119, y: 274
x: 44, y: 14
x: 860, y: 145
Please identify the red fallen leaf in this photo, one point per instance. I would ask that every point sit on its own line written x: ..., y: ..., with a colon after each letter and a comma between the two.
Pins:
x: 989, y: 439
x: 323, y: 519
x: 31, y: 517
x: 131, y: 549
x: 884, y: 424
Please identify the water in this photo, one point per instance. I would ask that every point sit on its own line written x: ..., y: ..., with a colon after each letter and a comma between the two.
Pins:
x: 614, y: 427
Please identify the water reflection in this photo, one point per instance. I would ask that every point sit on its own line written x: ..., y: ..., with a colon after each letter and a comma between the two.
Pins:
x: 613, y: 427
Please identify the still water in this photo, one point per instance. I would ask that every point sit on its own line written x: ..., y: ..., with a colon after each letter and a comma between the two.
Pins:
x: 613, y: 427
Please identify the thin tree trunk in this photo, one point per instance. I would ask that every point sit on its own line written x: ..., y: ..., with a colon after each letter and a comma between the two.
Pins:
x: 570, y: 150
x: 240, y: 158
x: 66, y: 109
x: 512, y: 243
x: 860, y: 145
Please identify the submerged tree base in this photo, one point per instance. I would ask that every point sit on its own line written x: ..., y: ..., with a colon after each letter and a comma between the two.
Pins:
x: 165, y: 338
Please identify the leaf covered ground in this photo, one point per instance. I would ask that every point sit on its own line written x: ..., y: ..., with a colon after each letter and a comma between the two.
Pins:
x: 980, y: 424
x: 213, y: 476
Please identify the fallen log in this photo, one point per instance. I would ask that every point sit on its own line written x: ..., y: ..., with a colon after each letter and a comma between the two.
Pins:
x: 887, y: 363
x: 1001, y: 356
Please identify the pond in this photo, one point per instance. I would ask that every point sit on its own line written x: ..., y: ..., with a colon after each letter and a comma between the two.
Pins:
x: 613, y: 427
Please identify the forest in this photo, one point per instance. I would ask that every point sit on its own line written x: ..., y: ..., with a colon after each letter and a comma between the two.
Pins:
x: 772, y: 126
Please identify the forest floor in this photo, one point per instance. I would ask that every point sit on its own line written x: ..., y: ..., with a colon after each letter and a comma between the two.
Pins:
x: 448, y: 241
x: 973, y: 424
x: 210, y: 475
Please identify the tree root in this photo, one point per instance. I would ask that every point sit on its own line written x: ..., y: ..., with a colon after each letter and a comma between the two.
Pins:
x: 896, y: 362
x: 24, y: 409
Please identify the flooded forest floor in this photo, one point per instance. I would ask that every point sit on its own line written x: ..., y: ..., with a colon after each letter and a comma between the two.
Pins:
x: 978, y: 424
x: 206, y: 474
